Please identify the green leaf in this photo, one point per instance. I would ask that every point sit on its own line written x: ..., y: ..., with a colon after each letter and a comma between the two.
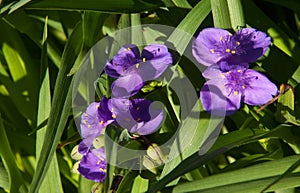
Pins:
x: 111, y: 150
x: 182, y: 4
x: 127, y: 182
x: 220, y: 11
x: 114, y: 6
x: 253, y: 173
x: 192, y: 135
x: 255, y: 186
x: 16, y: 181
x: 137, y: 35
x: 285, y: 107
x: 61, y: 107
x: 34, y: 30
x: 4, y: 178
x: 52, y: 182
x: 91, y: 25
x: 197, y: 159
x: 188, y: 26
x: 140, y: 184
x: 236, y: 14
x: 283, y: 176
x: 23, y: 83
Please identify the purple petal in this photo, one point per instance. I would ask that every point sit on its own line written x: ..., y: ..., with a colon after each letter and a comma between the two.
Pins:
x: 127, y: 56
x: 253, y: 44
x: 90, y: 121
x: 155, y: 60
x: 212, y: 72
x: 140, y: 109
x: 217, y: 100
x: 104, y: 112
x: 204, y: 47
x: 224, y: 65
x: 84, y: 146
x: 260, y: 39
x: 146, y: 128
x: 260, y: 89
x: 93, y: 165
x: 127, y: 85
x: 154, y: 51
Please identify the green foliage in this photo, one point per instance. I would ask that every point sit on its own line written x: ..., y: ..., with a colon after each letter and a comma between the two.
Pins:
x: 44, y: 43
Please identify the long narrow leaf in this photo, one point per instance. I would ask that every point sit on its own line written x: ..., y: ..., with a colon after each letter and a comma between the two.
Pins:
x: 52, y: 182
x: 16, y: 181
x: 119, y: 6
x: 220, y: 11
x: 259, y: 171
x: 60, y: 108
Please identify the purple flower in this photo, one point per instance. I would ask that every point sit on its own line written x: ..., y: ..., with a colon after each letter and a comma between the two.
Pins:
x: 93, y: 165
x: 93, y: 120
x: 218, y: 46
x: 223, y: 92
x: 137, y: 115
x: 132, y: 69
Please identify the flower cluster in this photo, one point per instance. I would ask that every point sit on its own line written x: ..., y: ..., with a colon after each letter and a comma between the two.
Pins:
x: 131, y: 70
x: 230, y: 80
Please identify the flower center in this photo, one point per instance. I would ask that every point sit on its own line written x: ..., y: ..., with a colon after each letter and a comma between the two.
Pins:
x: 236, y: 81
x: 228, y: 46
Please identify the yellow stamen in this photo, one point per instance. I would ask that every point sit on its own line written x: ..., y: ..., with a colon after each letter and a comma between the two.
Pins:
x: 222, y: 75
x: 212, y: 51
x: 221, y: 38
x: 239, y: 70
x: 102, y: 170
x: 98, y: 162
x: 101, y: 122
x: 233, y: 51
x: 84, y: 122
x: 114, y: 116
x: 235, y: 92
x: 138, y: 108
x: 238, y: 43
x: 227, y: 50
x: 137, y: 65
x: 228, y: 72
x: 243, y: 87
x: 97, y: 106
x: 85, y: 114
x: 112, y: 110
x: 144, y: 60
x: 138, y: 119
x: 89, y: 126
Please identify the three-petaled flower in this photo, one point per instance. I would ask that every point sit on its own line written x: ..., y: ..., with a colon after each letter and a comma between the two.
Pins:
x: 133, y: 69
x: 218, y: 46
x: 137, y: 116
x: 93, y: 165
x: 93, y: 120
x: 223, y: 92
